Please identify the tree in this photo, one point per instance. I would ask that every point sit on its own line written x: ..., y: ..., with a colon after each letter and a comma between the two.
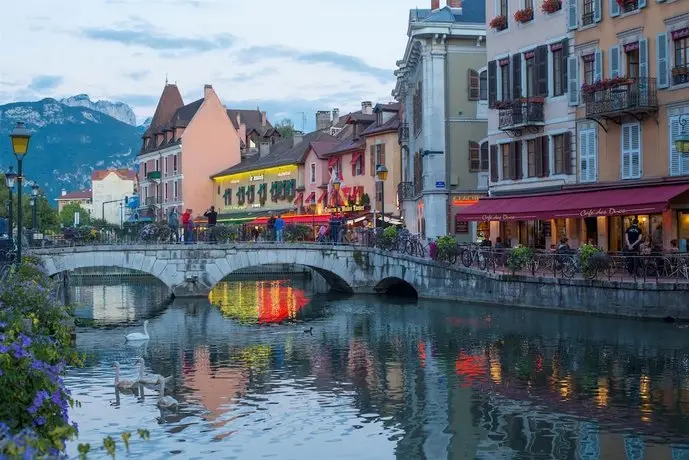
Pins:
x: 285, y: 128
x: 67, y: 215
x: 46, y: 214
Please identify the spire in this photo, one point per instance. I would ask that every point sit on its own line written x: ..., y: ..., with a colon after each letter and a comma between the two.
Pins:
x: 165, y: 78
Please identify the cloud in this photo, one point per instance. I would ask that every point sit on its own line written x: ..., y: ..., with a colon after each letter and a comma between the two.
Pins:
x: 339, y: 60
x: 45, y: 82
x: 145, y: 100
x: 144, y: 35
x: 138, y: 76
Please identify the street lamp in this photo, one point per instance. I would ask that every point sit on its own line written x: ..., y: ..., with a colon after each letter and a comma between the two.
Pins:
x: 313, y: 214
x: 10, y: 180
x: 382, y: 173
x: 20, y: 137
x: 682, y: 141
x: 34, y: 201
x: 336, y: 187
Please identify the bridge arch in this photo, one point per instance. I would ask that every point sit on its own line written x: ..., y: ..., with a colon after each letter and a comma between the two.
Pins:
x: 397, y: 287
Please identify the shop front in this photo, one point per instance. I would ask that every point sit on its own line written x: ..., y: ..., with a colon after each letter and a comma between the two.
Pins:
x: 599, y: 216
x: 466, y: 231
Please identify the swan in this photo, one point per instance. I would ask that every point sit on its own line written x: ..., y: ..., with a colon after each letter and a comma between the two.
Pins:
x: 138, y: 335
x: 165, y: 402
x: 122, y: 384
x: 149, y: 379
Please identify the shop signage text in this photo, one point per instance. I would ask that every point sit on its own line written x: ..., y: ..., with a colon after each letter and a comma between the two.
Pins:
x: 343, y: 209
x: 488, y: 217
x: 606, y: 212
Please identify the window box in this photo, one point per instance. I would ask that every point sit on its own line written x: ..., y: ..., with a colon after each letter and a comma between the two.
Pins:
x: 524, y: 16
x: 605, y: 84
x: 498, y: 23
x: 551, y: 6
x: 680, y: 75
x: 628, y: 6
x: 500, y: 105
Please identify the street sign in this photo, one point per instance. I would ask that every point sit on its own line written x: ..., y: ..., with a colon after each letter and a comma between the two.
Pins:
x: 440, y: 184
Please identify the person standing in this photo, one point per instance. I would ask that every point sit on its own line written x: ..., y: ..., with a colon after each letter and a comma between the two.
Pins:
x: 185, y: 224
x: 279, y: 227
x: 212, y: 217
x: 632, y: 239
x: 270, y: 227
x: 173, y: 222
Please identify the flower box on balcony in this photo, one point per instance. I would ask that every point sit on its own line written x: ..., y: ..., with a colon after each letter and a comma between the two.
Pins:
x: 532, y: 100
x: 606, y: 83
x: 498, y: 23
x: 501, y: 105
x: 625, y: 2
x: 680, y: 70
x: 524, y: 15
x: 551, y: 6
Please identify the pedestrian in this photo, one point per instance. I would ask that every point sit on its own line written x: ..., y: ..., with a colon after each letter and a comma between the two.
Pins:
x: 270, y: 227
x: 279, y: 228
x: 186, y: 217
x: 173, y: 222
x: 212, y: 217
x: 633, y: 240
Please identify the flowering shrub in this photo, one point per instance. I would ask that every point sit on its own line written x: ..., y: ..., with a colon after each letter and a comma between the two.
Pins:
x: 297, y: 233
x: 498, y: 23
x: 604, y: 84
x: 519, y: 258
x: 551, y: 6
x: 156, y: 232
x: 225, y: 233
x: 524, y: 15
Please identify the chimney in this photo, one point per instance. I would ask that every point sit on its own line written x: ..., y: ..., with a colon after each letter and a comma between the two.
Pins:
x: 264, y: 119
x: 264, y: 148
x: 63, y: 193
x: 455, y: 4
x: 435, y: 4
x: 322, y: 120
x: 336, y: 116
x: 207, y: 89
x: 367, y: 107
x: 297, y: 137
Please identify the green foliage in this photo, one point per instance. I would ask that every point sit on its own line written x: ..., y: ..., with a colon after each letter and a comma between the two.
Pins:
x: 285, y: 127
x: 225, y: 233
x: 102, y: 224
x: 155, y: 232
x: 390, y: 233
x: 297, y: 232
x: 46, y: 214
x: 447, y: 245
x: 592, y: 259
x: 365, y: 200
x: 519, y: 257
x: 67, y: 215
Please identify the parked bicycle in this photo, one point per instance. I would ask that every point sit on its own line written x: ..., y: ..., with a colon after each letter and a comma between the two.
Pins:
x: 474, y: 254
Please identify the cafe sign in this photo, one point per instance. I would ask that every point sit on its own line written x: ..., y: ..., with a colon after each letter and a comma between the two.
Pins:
x: 343, y: 209
x: 604, y: 212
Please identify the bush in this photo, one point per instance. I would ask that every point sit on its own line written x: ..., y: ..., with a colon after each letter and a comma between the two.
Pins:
x: 592, y: 259
x: 155, y: 232
x: 225, y: 233
x: 297, y: 233
x: 519, y: 257
x: 447, y: 245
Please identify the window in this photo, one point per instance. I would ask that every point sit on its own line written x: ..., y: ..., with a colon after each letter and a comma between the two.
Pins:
x: 631, y: 151
x: 379, y: 193
x: 474, y: 157
x: 174, y: 164
x: 528, y: 4
x: 560, y: 154
x: 588, y: 16
x: 474, y: 86
x: 558, y: 74
x: 359, y: 166
x: 530, y: 63
x: 505, y: 157
x: 312, y: 173
x: 589, y: 65
x: 679, y: 163
x: 484, y: 157
x: 531, y: 157
x: 505, y: 81
x: 588, y: 155
x: 417, y: 112
x: 630, y: 5
x: 380, y: 155
x: 503, y: 8
x: 483, y: 86
x: 682, y: 52
x: 157, y: 165
x: 145, y: 168
x: 633, y: 62
x: 175, y: 189
x: 167, y: 188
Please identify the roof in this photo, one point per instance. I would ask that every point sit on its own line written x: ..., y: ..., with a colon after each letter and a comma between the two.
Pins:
x: 124, y: 174
x: 284, y: 152
x: 473, y: 12
x: 80, y: 195
x: 180, y: 119
x: 253, y: 119
x: 168, y: 104
x: 391, y: 125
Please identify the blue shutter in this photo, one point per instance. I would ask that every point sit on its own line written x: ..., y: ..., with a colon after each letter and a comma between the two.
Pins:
x: 573, y: 80
x: 642, y: 3
x: 662, y: 68
x: 598, y: 66
x: 614, y: 8
x: 572, y: 19
x: 597, y: 10
x: 643, y: 58
x: 614, y: 61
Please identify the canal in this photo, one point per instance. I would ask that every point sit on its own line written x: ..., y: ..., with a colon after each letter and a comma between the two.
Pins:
x: 267, y: 369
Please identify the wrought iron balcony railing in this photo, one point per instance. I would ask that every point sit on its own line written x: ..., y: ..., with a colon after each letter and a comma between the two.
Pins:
x: 407, y: 191
x: 403, y: 133
x: 521, y: 113
x: 680, y: 74
x: 587, y: 19
x: 632, y: 96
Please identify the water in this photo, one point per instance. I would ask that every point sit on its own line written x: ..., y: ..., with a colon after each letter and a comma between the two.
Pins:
x: 378, y: 378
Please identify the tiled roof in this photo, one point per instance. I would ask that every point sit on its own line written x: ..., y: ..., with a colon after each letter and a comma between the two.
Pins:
x: 80, y: 195
x: 180, y: 119
x: 284, y: 152
x: 252, y: 119
x: 473, y: 12
x: 125, y: 174
x: 168, y: 104
x: 391, y: 125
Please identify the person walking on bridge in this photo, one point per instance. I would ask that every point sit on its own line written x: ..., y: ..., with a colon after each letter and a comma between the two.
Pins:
x: 279, y: 227
x: 173, y: 222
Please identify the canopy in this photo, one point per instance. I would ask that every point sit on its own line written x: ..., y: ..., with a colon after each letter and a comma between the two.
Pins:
x: 573, y: 204
x: 245, y: 216
x: 306, y: 219
x: 299, y: 199
x: 355, y: 157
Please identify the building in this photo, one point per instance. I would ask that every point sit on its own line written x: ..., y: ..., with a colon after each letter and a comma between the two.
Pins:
x: 254, y: 129
x: 182, y: 148
x: 83, y: 198
x: 109, y: 187
x: 442, y: 86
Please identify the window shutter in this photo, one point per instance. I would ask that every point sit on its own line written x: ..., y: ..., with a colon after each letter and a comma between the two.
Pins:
x: 373, y: 160
x: 614, y: 61
x: 474, y: 157
x: 642, y: 3
x: 542, y: 68
x: 583, y: 156
x: 598, y: 66
x: 382, y: 155
x: 593, y: 155
x: 643, y: 58
x: 675, y: 157
x: 538, y: 157
x: 635, y: 156
x: 573, y: 80
x: 513, y: 161
x: 572, y: 18
x: 545, y: 157
x: 473, y: 84
x: 517, y: 153
x: 516, y: 76
x: 625, y: 163
x: 662, y: 67
x: 565, y: 55
x: 494, y: 177
x: 597, y: 10
x: 492, y: 83
x: 614, y: 8
x: 567, y: 154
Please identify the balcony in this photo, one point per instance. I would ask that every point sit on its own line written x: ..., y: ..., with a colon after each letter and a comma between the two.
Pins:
x: 403, y: 133
x: 612, y: 99
x: 152, y: 200
x: 153, y: 175
x: 680, y: 75
x: 516, y: 116
x: 407, y: 191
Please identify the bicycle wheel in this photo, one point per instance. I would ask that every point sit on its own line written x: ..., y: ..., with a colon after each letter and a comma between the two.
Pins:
x: 467, y: 257
x: 409, y: 247
x: 452, y: 258
x: 420, y: 250
x: 481, y: 260
x: 569, y: 268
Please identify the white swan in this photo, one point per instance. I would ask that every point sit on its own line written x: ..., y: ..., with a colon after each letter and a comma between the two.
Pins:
x: 138, y: 335
x: 122, y: 384
x: 165, y: 402
x: 149, y: 379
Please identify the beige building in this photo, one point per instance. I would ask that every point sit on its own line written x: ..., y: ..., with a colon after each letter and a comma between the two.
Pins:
x: 109, y: 187
x: 81, y: 197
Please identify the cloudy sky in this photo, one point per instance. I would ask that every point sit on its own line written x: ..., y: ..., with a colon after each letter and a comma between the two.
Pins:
x: 285, y: 56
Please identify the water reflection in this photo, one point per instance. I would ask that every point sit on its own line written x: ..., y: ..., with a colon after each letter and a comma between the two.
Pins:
x: 380, y: 380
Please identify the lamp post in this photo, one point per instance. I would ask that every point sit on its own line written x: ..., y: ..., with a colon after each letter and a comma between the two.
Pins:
x: 34, y: 202
x: 335, y: 222
x: 336, y: 187
x: 10, y: 180
x: 313, y: 215
x: 682, y: 141
x: 382, y: 173
x: 20, y: 137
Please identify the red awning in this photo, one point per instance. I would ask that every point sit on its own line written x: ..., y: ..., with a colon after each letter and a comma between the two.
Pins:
x: 355, y: 157
x: 311, y: 197
x: 324, y: 194
x: 332, y: 161
x: 306, y: 219
x: 300, y: 197
x: 613, y: 202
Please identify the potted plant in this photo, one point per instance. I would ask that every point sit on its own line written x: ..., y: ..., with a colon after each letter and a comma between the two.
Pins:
x: 533, y: 100
x: 551, y: 6
x: 365, y: 201
x: 498, y: 23
x: 680, y: 70
x: 524, y: 15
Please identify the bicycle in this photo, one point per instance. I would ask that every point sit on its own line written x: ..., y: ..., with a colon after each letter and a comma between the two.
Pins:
x: 414, y: 247
x: 474, y: 253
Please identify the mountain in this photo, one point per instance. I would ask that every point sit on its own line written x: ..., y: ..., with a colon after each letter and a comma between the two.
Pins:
x: 144, y: 126
x: 67, y: 143
x: 117, y: 110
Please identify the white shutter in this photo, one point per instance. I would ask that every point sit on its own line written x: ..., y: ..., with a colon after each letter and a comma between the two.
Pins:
x: 614, y: 8
x: 643, y: 58
x: 598, y: 65
x: 572, y: 19
x: 663, y: 69
x: 614, y: 61
x: 593, y: 155
x: 631, y: 151
x: 675, y: 159
x: 625, y: 161
x: 597, y: 10
x: 573, y: 80
x: 583, y: 156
